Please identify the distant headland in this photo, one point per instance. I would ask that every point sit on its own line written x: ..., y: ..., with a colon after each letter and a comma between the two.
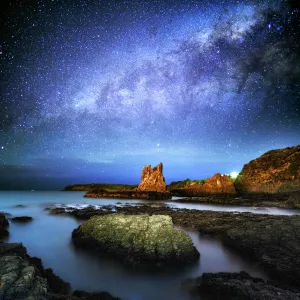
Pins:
x: 275, y: 175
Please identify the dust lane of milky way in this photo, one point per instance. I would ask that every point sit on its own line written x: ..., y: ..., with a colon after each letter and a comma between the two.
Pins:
x: 93, y: 90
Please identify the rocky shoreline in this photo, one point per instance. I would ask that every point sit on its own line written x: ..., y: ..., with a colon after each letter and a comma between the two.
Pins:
x: 23, y: 277
x: 281, y: 200
x: 129, y: 194
x: 273, y: 241
x: 236, y: 286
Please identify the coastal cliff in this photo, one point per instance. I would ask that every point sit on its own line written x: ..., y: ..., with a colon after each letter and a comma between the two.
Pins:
x: 276, y: 171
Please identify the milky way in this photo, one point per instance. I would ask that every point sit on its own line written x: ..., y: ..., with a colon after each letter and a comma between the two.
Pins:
x: 93, y: 90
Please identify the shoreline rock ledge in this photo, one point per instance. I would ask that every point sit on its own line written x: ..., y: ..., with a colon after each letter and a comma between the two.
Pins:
x: 137, y: 239
x: 152, y: 187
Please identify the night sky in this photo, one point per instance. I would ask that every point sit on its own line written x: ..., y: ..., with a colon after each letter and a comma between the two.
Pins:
x: 91, y: 90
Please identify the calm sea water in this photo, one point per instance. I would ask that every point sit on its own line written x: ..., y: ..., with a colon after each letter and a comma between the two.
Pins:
x: 49, y: 237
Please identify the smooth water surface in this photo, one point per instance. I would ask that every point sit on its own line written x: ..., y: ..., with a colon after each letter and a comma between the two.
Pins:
x: 49, y: 237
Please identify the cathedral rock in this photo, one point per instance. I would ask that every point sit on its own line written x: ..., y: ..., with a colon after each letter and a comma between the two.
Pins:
x: 152, y: 180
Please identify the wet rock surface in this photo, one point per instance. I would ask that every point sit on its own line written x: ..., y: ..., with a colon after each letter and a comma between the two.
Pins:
x: 24, y: 278
x: 137, y: 239
x: 280, y: 200
x: 20, y: 279
x: 23, y: 219
x: 273, y: 241
x: 237, y: 286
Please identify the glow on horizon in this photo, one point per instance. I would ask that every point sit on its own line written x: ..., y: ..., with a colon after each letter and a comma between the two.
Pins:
x: 234, y: 174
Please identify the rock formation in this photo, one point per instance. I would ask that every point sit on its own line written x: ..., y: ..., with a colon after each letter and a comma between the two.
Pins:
x: 276, y: 171
x: 152, y: 180
x: 152, y: 187
x: 24, y: 278
x: 217, y: 184
x: 23, y: 219
x: 136, y: 239
x: 3, y: 225
x: 237, y: 286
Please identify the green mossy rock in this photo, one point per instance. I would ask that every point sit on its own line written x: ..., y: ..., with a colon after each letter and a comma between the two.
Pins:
x: 137, y: 238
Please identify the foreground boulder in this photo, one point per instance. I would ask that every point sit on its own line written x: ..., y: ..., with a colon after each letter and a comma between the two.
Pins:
x: 24, y: 278
x: 238, y: 286
x: 20, y: 279
x: 277, y: 171
x: 137, y: 239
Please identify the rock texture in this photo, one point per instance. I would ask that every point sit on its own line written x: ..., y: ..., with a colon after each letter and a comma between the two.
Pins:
x: 216, y: 185
x: 137, y: 239
x: 3, y: 226
x: 273, y: 241
x: 20, y: 279
x: 274, y: 172
x: 23, y: 277
x: 152, y: 180
x: 280, y: 200
x: 238, y: 286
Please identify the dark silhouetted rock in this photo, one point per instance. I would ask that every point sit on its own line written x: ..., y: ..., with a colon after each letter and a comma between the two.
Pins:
x: 94, y: 296
x: 3, y: 226
x: 238, y: 286
x: 20, y: 206
x: 277, y: 171
x: 23, y: 219
x: 136, y: 239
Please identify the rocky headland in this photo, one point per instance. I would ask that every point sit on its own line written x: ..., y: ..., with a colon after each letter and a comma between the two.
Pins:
x: 277, y: 171
x: 272, y: 180
x: 136, y: 239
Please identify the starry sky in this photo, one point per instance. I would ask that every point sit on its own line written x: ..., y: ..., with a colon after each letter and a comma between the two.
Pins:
x: 93, y: 90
